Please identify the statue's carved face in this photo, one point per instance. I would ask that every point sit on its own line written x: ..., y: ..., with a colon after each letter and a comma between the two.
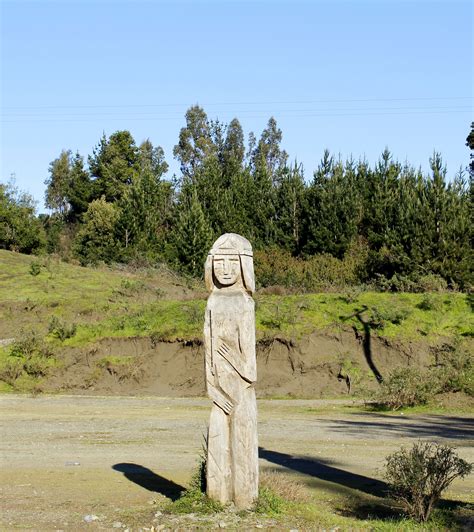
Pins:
x: 226, y: 269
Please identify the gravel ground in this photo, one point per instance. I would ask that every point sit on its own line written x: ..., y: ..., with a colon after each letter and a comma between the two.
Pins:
x: 74, y: 462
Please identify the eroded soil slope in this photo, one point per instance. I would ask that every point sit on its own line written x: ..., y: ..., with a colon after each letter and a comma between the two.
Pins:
x: 320, y: 364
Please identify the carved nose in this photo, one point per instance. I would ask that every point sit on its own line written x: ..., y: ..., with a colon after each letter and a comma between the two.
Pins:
x: 226, y: 267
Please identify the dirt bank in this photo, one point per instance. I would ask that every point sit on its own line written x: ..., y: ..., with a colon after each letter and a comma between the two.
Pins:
x: 321, y: 364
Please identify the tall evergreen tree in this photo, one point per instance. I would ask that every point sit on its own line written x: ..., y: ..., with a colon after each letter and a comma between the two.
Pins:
x: 80, y: 189
x: 146, y: 205
x: 333, y: 205
x: 290, y: 208
x: 192, y: 235
x: 113, y: 165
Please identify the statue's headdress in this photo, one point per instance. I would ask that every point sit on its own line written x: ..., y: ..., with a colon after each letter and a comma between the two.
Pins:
x: 232, y: 244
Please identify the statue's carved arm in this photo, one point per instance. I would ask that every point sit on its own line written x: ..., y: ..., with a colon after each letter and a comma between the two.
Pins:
x: 214, y: 390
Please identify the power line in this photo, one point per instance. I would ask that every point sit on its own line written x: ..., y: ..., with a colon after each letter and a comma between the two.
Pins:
x: 262, y: 102
x: 303, y: 115
x: 244, y: 111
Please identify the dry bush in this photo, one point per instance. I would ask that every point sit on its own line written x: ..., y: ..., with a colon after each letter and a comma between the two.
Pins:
x: 283, y: 486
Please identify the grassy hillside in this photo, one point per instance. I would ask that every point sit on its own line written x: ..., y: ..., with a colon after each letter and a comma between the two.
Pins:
x: 63, y: 306
x: 113, y: 303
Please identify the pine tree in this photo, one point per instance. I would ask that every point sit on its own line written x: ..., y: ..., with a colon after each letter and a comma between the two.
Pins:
x: 113, y: 165
x: 79, y: 193
x: 192, y: 235
x: 290, y: 208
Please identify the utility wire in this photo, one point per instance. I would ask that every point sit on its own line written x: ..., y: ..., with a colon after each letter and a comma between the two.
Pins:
x: 245, y: 111
x: 307, y: 114
x: 262, y: 102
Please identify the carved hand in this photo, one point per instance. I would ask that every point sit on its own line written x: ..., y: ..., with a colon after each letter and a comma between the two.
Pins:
x: 224, y: 350
x: 222, y: 401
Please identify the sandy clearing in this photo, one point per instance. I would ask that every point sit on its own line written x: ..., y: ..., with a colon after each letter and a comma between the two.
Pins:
x: 63, y: 457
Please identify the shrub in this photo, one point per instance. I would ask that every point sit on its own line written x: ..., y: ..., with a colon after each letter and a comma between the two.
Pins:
x: 454, y: 370
x: 277, y: 267
x: 418, y: 476
x: 61, y: 330
x: 28, y: 356
x: 395, y: 314
x: 432, y: 283
x: 29, y: 345
x: 35, y: 268
x: 430, y: 302
x: 404, y: 387
x: 11, y: 371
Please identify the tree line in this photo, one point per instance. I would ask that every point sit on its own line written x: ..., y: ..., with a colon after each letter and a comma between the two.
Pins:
x: 118, y: 205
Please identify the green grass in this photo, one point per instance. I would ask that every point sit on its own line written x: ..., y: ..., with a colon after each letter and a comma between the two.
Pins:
x: 389, y: 315
x: 111, y: 303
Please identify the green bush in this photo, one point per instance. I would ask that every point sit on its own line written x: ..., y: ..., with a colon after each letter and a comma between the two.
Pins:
x: 430, y: 302
x: 432, y: 283
x: 379, y: 316
x: 28, y: 356
x: 404, y: 387
x: 35, y: 268
x: 455, y: 370
x: 418, y: 476
x: 61, y: 330
x: 277, y: 267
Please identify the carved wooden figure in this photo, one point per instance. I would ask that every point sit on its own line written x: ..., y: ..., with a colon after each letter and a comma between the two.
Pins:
x: 231, y: 372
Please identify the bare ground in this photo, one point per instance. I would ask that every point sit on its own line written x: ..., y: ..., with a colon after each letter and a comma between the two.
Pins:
x: 119, y: 458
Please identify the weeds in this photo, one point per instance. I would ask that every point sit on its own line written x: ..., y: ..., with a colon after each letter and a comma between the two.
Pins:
x: 194, y: 499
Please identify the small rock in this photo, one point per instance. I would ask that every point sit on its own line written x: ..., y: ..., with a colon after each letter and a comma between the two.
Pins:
x: 222, y: 524
x: 90, y: 517
x: 117, y: 524
x: 258, y: 526
x: 158, y: 513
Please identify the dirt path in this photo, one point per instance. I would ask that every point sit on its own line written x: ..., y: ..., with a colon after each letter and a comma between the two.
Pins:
x: 65, y: 457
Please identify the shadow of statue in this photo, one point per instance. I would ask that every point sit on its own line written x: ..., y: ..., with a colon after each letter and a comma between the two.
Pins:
x: 323, y: 471
x: 366, y: 339
x: 149, y: 480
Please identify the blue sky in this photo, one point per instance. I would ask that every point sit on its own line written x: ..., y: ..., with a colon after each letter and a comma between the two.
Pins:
x: 353, y: 76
